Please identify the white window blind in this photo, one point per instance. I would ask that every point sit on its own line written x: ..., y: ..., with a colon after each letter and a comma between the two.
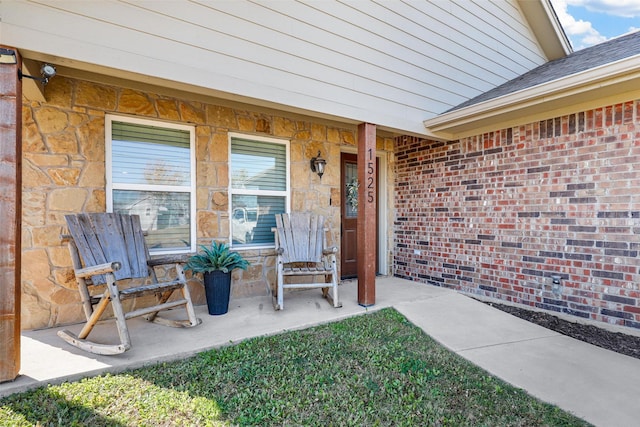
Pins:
x: 150, y: 174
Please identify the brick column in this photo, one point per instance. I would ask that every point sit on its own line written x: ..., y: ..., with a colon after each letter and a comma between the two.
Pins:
x: 367, y: 233
x: 10, y: 212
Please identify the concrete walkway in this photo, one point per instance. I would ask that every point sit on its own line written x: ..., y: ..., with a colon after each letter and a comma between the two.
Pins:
x: 600, y: 386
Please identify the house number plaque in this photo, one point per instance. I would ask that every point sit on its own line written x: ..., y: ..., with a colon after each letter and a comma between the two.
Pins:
x: 371, y: 173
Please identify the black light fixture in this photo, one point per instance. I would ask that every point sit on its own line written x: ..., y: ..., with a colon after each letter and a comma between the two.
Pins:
x: 318, y: 164
x: 8, y: 56
x: 47, y: 71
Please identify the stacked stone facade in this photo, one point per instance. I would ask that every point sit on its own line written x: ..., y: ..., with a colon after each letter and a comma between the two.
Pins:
x: 64, y: 172
x: 499, y: 214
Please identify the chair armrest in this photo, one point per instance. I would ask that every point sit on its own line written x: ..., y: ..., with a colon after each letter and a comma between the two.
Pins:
x: 330, y: 250
x: 279, y: 251
x: 168, y: 259
x: 95, y: 270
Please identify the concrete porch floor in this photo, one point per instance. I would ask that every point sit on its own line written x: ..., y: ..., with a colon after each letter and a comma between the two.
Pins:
x: 598, y: 385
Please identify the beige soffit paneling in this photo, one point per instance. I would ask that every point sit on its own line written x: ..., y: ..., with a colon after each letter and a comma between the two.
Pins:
x: 546, y: 27
x: 391, y: 64
x: 122, y: 79
x: 611, y: 83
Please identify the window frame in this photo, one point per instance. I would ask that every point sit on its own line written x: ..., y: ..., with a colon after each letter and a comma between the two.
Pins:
x: 190, y: 189
x: 286, y: 193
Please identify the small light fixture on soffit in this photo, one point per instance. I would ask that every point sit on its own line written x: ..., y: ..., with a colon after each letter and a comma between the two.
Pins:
x: 8, y: 56
x: 47, y: 71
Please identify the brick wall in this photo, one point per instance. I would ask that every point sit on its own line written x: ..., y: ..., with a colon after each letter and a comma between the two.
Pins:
x: 498, y: 214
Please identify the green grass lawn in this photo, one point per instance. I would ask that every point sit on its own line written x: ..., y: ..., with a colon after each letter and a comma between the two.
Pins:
x: 376, y: 369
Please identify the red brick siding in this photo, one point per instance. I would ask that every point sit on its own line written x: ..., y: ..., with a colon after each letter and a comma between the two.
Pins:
x: 498, y: 214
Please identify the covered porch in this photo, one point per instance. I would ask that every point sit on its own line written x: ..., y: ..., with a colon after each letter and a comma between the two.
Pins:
x: 591, y: 382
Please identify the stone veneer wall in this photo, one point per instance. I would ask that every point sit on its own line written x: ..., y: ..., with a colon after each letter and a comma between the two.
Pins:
x: 498, y: 214
x: 64, y: 172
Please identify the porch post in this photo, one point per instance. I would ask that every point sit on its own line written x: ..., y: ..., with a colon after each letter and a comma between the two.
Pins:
x: 367, y: 233
x: 10, y: 212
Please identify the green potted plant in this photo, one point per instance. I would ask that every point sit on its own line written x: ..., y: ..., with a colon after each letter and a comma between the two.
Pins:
x: 216, y: 264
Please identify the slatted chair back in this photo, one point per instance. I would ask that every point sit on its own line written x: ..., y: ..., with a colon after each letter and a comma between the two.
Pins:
x: 110, y: 237
x: 301, y: 237
x: 303, y: 257
x: 107, y: 247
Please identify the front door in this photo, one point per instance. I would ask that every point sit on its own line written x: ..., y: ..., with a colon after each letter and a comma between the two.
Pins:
x: 349, y: 216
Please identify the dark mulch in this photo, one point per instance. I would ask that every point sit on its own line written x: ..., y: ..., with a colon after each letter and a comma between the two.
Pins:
x: 615, y: 341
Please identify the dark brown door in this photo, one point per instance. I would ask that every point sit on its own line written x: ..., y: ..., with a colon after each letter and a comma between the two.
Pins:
x: 349, y: 216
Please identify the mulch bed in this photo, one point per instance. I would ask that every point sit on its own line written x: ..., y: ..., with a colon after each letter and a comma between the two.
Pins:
x: 614, y: 341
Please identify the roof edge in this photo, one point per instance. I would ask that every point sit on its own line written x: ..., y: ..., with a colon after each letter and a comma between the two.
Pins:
x: 576, y: 88
x: 546, y: 27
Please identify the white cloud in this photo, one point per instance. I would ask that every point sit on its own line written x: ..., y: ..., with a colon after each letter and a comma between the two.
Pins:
x: 578, y: 30
x: 623, y: 8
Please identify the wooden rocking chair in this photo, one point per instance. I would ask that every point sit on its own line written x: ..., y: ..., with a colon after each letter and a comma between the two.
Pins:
x: 105, y: 249
x: 302, y: 251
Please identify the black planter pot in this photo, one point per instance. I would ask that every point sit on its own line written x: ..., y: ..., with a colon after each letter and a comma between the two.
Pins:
x: 217, y: 287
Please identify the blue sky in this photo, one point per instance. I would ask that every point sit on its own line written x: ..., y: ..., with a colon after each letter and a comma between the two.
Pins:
x: 589, y: 22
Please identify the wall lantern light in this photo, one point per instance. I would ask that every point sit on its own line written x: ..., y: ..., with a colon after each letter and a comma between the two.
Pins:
x: 8, y: 56
x: 318, y: 164
x: 47, y: 71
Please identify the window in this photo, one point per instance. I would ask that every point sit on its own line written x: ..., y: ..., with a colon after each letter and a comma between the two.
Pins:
x: 259, y: 188
x: 150, y: 172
